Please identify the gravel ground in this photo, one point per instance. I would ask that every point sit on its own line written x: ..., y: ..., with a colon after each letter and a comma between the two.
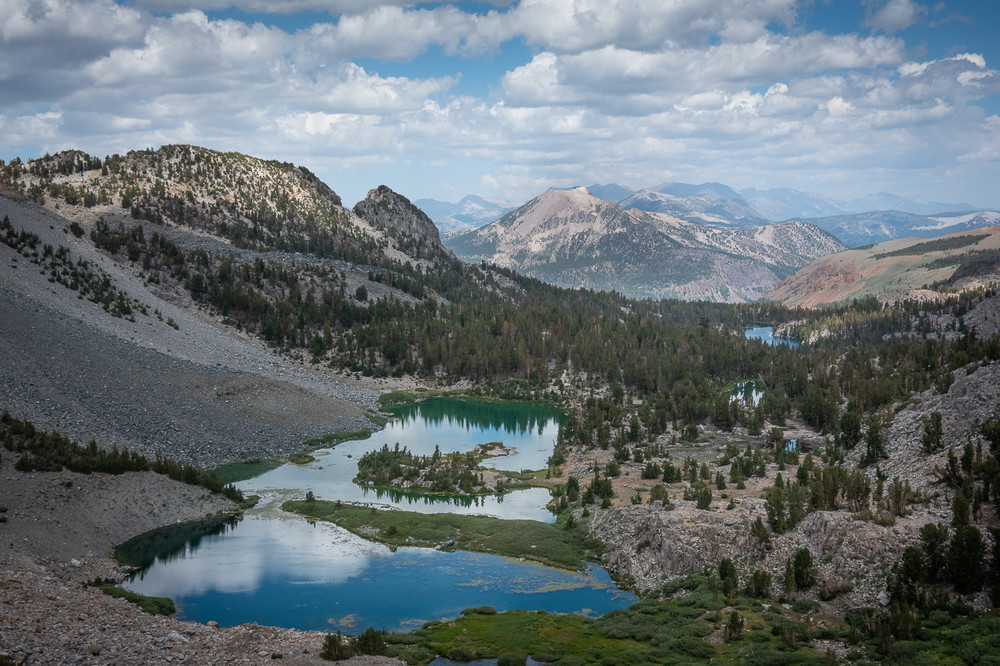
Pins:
x: 201, y: 392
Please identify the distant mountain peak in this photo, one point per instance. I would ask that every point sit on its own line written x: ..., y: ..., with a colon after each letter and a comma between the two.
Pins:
x: 572, y: 238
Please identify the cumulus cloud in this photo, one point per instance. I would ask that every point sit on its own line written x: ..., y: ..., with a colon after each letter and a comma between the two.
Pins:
x: 622, y: 90
x: 284, y: 6
x: 896, y: 15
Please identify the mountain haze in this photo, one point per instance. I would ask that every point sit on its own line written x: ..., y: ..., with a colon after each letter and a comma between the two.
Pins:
x: 611, y: 192
x: 712, y: 204
x: 784, y: 203
x: 573, y: 239
x: 471, y: 212
x: 858, y: 229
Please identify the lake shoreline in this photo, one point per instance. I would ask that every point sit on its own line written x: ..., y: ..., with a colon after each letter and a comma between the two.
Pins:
x: 61, y: 529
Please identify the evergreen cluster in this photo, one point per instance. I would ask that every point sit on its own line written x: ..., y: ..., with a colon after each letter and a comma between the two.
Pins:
x: 439, y: 473
x: 52, y: 452
x: 90, y: 281
x: 370, y: 641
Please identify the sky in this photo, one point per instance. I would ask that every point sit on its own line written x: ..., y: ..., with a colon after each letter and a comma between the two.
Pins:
x: 508, y: 98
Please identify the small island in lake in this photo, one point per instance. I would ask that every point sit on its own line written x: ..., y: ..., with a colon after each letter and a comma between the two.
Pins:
x: 445, y: 473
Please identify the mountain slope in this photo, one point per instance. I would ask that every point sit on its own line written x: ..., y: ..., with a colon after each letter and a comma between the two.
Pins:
x: 898, y: 268
x: 162, y: 376
x: 572, y: 239
x: 248, y: 202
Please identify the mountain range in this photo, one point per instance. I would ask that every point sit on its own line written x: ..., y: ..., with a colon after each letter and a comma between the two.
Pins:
x: 715, y: 249
x: 871, y: 219
x: 472, y: 211
x: 571, y: 238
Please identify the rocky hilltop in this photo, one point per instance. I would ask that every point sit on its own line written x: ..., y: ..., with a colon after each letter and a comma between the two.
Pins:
x: 572, y: 239
x: 394, y: 211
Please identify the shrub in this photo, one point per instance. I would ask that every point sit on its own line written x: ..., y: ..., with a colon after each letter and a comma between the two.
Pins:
x: 151, y: 605
x: 480, y: 610
x: 512, y: 659
x: 461, y: 654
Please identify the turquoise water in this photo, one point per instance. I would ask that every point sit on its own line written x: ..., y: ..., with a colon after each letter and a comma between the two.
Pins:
x: 453, y: 425
x: 280, y: 570
x: 766, y: 334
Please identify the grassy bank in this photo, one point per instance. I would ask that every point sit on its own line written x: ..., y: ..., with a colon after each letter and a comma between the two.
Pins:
x: 694, y: 624
x: 551, y: 544
x: 234, y: 472
x: 477, y: 635
x: 151, y: 605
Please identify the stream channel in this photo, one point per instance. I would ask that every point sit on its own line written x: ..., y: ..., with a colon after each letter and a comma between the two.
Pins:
x: 278, y: 569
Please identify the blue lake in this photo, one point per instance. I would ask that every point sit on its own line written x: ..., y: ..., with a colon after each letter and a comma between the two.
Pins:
x: 766, y: 334
x: 292, y: 573
x: 281, y: 570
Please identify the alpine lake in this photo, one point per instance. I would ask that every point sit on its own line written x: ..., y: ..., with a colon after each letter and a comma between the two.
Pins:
x: 280, y: 569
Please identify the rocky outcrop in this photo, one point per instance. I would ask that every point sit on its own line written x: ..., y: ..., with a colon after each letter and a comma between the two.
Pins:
x: 652, y: 545
x: 384, y: 207
x: 971, y: 400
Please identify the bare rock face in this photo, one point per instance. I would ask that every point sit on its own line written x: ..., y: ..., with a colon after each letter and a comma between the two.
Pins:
x: 971, y: 400
x: 394, y: 211
x: 653, y: 546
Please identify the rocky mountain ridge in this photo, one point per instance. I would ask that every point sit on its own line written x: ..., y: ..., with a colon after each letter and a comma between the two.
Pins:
x: 248, y: 202
x: 711, y: 204
x: 574, y: 239
x: 871, y: 219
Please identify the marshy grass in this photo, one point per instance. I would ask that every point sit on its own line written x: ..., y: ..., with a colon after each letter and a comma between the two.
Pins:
x: 549, y: 543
